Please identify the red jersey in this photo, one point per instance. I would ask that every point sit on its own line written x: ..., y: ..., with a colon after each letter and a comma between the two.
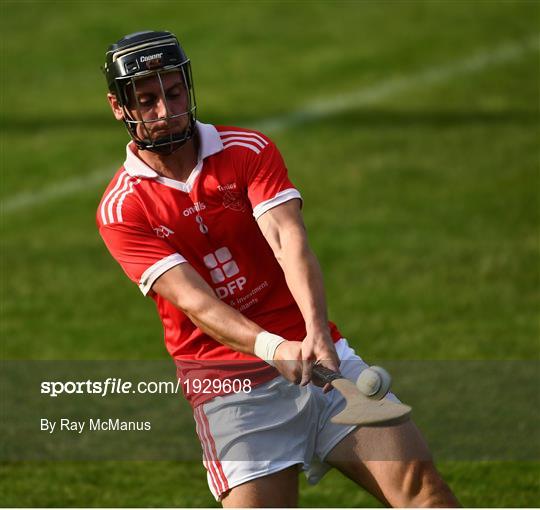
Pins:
x: 151, y: 223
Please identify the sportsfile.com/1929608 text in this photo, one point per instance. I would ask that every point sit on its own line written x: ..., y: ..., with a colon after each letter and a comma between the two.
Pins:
x: 117, y: 386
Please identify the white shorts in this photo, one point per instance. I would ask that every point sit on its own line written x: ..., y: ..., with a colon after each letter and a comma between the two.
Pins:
x: 278, y: 424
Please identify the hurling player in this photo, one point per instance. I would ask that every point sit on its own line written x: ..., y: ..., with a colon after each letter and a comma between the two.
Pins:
x: 205, y: 220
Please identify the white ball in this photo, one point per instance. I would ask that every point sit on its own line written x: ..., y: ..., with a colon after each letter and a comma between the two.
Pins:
x: 374, y: 382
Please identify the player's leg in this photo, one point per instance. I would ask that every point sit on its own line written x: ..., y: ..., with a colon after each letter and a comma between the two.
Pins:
x: 253, y: 443
x: 394, y: 464
x: 276, y: 490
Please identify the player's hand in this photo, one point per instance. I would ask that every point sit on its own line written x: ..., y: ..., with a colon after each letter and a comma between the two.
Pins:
x: 288, y: 361
x: 318, y: 348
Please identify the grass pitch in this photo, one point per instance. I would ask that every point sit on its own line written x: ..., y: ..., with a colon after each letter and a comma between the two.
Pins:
x: 421, y: 200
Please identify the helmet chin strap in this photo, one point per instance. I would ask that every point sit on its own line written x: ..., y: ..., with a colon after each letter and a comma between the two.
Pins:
x: 168, y: 147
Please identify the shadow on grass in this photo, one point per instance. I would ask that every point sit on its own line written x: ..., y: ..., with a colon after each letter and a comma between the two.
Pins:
x: 374, y: 118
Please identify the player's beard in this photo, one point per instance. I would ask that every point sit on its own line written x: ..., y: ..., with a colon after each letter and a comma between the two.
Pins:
x: 164, y: 143
x: 167, y: 139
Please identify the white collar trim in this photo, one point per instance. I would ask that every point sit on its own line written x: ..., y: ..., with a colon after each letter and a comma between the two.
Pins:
x: 210, y: 143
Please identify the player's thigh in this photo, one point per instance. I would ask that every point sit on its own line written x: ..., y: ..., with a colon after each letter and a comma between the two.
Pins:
x: 380, y: 458
x: 278, y: 489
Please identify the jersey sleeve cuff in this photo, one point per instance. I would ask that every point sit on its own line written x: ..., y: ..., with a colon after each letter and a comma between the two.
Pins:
x: 156, y: 270
x: 280, y: 198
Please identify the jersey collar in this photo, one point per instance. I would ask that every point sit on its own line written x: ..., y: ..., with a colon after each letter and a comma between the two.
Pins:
x: 210, y: 143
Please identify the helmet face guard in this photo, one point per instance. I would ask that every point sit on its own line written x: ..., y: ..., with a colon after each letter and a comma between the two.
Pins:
x: 141, y: 126
x: 155, y: 56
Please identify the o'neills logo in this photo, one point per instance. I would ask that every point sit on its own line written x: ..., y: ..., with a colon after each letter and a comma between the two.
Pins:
x: 197, y: 206
x: 151, y: 57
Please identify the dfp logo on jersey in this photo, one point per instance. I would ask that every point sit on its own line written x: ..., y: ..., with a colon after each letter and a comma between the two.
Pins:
x: 222, y: 266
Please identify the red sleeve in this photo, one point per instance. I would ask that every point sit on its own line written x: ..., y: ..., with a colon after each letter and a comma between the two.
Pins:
x: 268, y: 181
x: 144, y: 256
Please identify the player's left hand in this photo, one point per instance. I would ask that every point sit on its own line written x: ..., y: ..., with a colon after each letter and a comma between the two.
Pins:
x: 318, y: 348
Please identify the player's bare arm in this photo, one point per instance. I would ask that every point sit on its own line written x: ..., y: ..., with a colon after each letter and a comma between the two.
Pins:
x: 189, y: 292
x: 284, y: 229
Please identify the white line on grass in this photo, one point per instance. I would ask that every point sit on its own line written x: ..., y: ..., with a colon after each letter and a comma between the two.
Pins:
x: 28, y: 199
x: 369, y: 95
x: 311, y: 112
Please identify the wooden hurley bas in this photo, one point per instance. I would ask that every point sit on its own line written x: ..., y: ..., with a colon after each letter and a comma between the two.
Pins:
x: 359, y: 409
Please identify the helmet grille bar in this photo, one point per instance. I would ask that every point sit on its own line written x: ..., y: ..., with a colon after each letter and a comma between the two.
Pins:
x: 173, y: 141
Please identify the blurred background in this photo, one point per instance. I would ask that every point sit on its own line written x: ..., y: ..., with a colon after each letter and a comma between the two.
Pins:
x: 411, y: 128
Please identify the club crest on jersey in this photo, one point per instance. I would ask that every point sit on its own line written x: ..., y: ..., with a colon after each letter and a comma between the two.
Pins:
x: 162, y: 231
x: 234, y: 200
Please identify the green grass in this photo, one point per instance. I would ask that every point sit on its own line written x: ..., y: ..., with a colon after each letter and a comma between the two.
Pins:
x: 423, y: 207
x: 137, y: 484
